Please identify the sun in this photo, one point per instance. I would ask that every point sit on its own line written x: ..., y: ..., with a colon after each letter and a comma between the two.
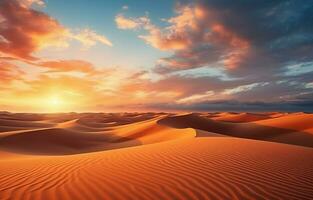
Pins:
x: 55, y: 103
x: 58, y: 102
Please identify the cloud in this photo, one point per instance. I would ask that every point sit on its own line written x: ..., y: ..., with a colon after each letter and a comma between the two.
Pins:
x: 162, y: 41
x: 298, y: 69
x: 123, y: 22
x: 195, y: 41
x: 263, y: 47
x: 28, y: 3
x: 243, y: 88
x: 24, y: 30
x: 196, y: 97
x: 9, y: 72
x: 189, y: 92
x: 81, y: 93
x: 309, y: 85
x: 89, y: 38
x: 181, y: 88
x: 175, y: 36
x: 171, y: 92
x: 83, y: 67
x: 245, y: 38
x: 202, y: 41
x: 67, y: 66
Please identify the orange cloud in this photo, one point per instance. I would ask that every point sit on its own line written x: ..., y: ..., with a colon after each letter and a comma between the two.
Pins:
x: 237, y: 47
x: 68, y: 65
x: 9, y: 72
x: 24, y: 30
x: 177, y: 36
x: 158, y: 38
x: 162, y: 41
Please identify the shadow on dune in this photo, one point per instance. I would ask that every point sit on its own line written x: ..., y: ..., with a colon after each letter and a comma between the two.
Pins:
x: 241, y: 130
x: 57, y: 141
x: 103, y: 120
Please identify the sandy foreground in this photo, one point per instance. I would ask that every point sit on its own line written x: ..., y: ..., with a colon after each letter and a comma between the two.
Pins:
x: 156, y: 156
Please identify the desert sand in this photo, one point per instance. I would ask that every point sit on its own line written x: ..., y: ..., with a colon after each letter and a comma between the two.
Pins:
x: 156, y: 156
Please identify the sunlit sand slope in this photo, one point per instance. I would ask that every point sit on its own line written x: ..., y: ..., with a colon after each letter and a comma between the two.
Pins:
x: 201, y: 168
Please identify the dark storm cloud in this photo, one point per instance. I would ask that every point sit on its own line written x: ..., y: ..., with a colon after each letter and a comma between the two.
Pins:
x: 249, y: 38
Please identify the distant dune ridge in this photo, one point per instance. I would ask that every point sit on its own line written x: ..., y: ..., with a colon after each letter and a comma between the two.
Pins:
x: 290, y: 129
x: 156, y: 156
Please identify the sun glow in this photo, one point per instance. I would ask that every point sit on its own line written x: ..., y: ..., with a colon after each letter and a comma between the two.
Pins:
x: 56, y: 103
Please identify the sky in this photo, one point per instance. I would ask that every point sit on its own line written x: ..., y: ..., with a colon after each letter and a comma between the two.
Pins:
x: 123, y: 56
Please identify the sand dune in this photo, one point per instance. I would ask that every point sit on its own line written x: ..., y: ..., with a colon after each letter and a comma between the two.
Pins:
x: 241, y: 117
x: 297, y: 121
x: 72, y: 137
x: 178, y: 169
x: 150, y: 131
x: 155, y: 156
x: 268, y: 130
